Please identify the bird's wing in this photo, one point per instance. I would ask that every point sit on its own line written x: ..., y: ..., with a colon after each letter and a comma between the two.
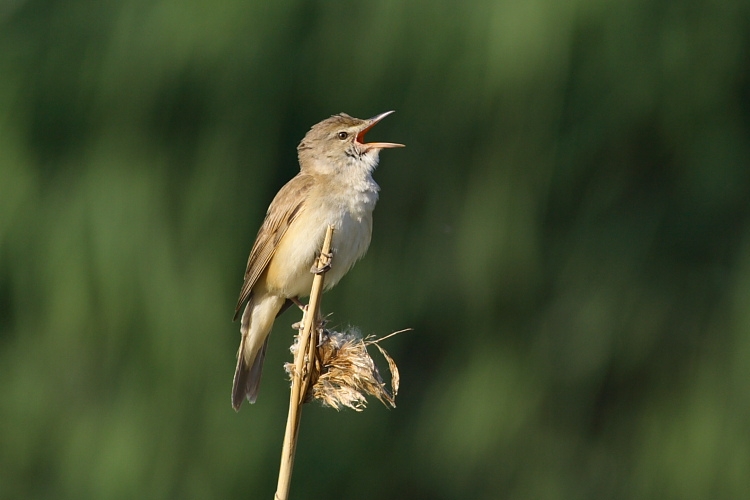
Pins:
x: 284, y: 208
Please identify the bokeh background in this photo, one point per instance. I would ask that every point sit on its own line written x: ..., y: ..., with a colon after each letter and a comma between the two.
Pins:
x: 567, y: 231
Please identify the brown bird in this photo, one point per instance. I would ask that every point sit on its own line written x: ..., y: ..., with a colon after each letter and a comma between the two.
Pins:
x: 334, y: 186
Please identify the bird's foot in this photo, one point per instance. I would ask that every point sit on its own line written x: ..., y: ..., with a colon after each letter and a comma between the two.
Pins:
x: 326, y: 258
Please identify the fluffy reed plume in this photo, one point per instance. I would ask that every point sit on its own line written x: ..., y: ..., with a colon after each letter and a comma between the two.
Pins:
x: 344, y: 372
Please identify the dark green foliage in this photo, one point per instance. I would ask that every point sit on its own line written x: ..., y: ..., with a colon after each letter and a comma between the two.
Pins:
x: 567, y: 232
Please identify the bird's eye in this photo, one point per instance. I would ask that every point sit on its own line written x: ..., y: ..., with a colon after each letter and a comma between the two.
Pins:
x: 343, y: 135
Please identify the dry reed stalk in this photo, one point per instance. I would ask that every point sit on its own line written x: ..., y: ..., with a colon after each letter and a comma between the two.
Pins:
x: 332, y: 367
x: 303, y: 367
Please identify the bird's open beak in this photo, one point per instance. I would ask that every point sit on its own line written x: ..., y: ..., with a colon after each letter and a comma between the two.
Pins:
x: 379, y: 145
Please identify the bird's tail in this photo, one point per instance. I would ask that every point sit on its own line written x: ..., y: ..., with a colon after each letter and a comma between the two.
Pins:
x: 257, y: 321
x: 247, y: 378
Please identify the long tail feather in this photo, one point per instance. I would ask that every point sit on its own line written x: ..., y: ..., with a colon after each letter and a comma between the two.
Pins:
x: 247, y: 379
x: 257, y: 321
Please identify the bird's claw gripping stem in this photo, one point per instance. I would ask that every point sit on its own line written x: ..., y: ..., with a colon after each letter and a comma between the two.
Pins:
x: 327, y: 257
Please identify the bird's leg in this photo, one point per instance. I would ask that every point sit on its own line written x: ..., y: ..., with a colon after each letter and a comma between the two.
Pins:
x: 303, y: 307
x: 327, y: 258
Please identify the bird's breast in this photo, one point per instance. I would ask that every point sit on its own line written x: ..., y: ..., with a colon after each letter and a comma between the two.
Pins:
x: 288, y: 273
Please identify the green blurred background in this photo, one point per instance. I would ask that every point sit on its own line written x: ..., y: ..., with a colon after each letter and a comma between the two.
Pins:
x: 567, y: 231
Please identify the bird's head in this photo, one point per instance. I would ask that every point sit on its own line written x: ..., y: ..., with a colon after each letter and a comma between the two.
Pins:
x: 338, y: 144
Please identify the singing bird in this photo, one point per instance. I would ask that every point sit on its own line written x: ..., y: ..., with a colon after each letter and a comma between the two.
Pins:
x: 334, y: 187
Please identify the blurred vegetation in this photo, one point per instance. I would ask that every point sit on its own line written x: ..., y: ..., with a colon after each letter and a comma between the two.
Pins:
x: 567, y: 231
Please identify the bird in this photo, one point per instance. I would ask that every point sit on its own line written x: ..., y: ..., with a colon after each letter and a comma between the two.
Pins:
x: 333, y: 187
